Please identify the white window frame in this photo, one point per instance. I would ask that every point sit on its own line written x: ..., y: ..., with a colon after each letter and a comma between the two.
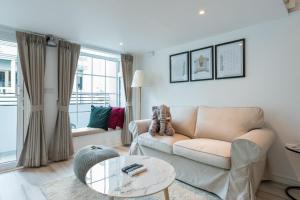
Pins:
x: 18, y: 88
x: 106, y: 56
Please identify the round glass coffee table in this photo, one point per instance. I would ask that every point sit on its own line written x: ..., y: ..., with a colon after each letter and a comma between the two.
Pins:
x: 107, y: 178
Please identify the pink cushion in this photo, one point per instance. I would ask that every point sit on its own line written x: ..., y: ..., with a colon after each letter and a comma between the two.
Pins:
x: 116, y: 118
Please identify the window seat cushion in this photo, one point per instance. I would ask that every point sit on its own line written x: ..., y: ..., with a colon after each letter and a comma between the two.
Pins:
x: 95, y: 136
x: 86, y: 131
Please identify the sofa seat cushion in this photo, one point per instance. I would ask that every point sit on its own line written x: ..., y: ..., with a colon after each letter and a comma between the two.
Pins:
x: 208, y: 151
x: 160, y: 143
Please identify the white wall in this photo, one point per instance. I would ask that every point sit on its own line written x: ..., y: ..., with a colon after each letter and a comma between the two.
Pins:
x: 272, y: 82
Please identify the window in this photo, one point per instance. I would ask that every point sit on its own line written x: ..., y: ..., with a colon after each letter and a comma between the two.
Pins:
x: 97, y: 82
x: 8, y: 101
x: 2, y: 79
x: 5, y: 72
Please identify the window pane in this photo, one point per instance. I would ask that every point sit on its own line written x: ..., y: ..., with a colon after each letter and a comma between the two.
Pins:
x: 98, y: 84
x: 112, y: 100
x: 84, y: 65
x: 73, y: 107
x: 93, y: 87
x: 8, y: 101
x: 83, y: 119
x: 111, y: 68
x: 75, y: 84
x: 111, y: 85
x: 100, y: 99
x: 84, y: 107
x: 84, y: 98
x: 84, y: 84
x: 2, y: 79
x: 73, y: 120
x: 98, y: 67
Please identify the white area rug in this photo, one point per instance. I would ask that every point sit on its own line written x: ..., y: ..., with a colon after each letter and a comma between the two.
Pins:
x: 71, y: 189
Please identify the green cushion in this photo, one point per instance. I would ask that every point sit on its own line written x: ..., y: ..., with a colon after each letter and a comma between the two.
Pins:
x: 99, y: 117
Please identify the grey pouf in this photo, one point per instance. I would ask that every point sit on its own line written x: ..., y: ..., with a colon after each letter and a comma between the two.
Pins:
x: 90, y: 155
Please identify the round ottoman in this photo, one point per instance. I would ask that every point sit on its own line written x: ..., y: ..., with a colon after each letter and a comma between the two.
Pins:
x: 88, y: 156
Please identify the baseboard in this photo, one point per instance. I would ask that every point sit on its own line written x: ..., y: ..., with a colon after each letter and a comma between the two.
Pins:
x: 285, y: 180
x: 9, y: 166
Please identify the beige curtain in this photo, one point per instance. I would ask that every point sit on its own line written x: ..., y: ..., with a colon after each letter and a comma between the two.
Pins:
x: 127, y: 61
x: 32, y: 53
x: 61, y: 146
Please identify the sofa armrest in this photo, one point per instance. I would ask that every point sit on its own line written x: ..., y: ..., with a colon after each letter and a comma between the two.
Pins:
x: 251, y: 147
x: 139, y: 126
x: 136, y: 128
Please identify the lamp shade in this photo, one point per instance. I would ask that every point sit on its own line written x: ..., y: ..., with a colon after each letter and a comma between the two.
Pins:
x: 138, y: 79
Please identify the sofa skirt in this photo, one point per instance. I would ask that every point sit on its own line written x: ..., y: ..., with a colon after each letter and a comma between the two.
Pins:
x: 238, y: 184
x: 199, y: 175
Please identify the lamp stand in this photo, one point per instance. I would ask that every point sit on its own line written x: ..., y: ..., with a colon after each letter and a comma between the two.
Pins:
x: 140, y: 102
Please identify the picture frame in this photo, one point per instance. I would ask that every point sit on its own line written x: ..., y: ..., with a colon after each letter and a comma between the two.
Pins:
x: 202, y: 64
x: 230, y: 59
x: 179, y: 67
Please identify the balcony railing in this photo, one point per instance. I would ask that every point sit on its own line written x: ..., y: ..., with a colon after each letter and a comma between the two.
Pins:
x: 8, y: 99
x: 88, y: 98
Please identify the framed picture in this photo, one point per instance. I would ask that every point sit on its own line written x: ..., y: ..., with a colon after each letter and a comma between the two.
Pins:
x: 202, y: 64
x: 179, y: 67
x: 230, y: 59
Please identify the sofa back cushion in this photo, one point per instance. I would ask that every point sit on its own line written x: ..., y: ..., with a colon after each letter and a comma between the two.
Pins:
x: 227, y: 123
x: 184, y: 119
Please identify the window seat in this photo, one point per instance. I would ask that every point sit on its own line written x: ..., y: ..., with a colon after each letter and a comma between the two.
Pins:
x: 95, y: 136
x: 86, y: 131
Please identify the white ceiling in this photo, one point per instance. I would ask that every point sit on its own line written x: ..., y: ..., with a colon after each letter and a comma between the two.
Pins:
x: 142, y: 25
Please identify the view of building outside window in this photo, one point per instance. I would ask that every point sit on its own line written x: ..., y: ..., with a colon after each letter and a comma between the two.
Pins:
x: 98, y: 81
x: 8, y: 100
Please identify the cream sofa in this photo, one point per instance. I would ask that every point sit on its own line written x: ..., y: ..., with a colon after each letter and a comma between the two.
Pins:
x: 221, y: 150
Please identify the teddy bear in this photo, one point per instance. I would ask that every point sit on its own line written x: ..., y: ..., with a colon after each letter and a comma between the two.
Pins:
x: 155, y: 124
x: 165, y: 121
x: 161, y: 121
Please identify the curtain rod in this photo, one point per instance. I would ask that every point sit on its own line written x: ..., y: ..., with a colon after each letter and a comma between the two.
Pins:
x: 7, y: 28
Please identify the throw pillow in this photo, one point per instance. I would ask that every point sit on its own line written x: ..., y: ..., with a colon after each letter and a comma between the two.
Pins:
x: 116, y: 118
x: 99, y: 117
x: 121, y: 118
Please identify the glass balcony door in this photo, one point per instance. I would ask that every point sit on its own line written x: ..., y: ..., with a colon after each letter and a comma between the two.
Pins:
x: 11, y: 105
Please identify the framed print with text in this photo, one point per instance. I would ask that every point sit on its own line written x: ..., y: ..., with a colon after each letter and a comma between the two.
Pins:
x: 230, y: 59
x: 179, y: 67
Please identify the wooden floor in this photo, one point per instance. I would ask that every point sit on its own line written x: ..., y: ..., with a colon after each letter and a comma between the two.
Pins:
x: 23, y: 184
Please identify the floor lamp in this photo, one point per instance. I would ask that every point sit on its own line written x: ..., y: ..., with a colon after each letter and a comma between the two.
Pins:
x: 138, y: 82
